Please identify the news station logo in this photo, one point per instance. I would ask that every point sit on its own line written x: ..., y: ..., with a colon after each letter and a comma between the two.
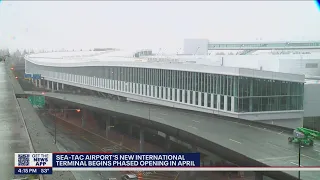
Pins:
x: 33, y: 159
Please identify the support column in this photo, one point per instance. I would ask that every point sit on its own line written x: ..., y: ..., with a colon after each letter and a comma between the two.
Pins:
x: 52, y: 85
x: 39, y: 83
x: 65, y: 113
x: 36, y: 82
x: 48, y: 84
x: 62, y: 86
x: 57, y: 86
x: 258, y: 176
x: 168, y: 142
x: 141, y: 140
x: 193, y: 150
x: 107, y: 126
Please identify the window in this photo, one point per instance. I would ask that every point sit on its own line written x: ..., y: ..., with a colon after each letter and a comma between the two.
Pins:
x: 215, y: 101
x: 202, y: 99
x: 222, y: 102
x: 228, y: 103
x: 209, y: 100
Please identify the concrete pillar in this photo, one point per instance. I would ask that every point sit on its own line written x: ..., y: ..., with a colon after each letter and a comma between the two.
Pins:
x: 36, y: 82
x: 193, y: 150
x: 65, y: 112
x: 168, y: 142
x: 39, y: 83
x: 141, y: 140
x: 57, y: 86
x: 52, y: 86
x: 48, y: 84
x: 62, y: 86
x: 258, y: 176
x: 107, y: 126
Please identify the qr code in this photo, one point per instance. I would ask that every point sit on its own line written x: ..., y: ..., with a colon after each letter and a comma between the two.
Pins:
x: 23, y: 159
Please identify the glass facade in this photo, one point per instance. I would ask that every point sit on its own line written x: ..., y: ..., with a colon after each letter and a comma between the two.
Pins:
x: 268, y: 95
x: 215, y: 91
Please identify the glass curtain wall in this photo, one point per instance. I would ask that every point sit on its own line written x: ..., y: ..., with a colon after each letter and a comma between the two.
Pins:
x: 269, y: 95
x: 250, y: 94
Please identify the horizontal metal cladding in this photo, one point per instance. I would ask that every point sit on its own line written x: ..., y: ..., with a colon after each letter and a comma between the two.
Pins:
x: 130, y: 62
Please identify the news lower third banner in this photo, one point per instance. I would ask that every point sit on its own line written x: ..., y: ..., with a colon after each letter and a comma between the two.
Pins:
x: 45, y: 163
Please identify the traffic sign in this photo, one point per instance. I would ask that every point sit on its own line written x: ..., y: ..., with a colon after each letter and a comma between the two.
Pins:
x: 28, y: 76
x: 36, y: 76
x: 38, y: 101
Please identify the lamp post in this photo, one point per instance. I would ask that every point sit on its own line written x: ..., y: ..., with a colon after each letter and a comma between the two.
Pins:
x: 55, y: 119
x: 299, y: 159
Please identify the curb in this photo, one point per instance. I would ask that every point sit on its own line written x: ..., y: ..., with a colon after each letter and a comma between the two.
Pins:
x: 24, y: 123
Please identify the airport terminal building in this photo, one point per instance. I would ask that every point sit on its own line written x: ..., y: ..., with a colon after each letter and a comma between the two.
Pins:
x: 251, y: 94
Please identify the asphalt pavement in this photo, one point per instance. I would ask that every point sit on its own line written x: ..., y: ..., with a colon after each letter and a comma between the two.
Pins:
x: 75, y: 139
x: 69, y: 140
x: 265, y: 145
x: 13, y: 135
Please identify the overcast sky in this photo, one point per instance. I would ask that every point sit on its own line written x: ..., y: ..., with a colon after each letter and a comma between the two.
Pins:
x: 152, y: 24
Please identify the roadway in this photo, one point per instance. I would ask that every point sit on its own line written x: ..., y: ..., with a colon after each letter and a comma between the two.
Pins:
x: 267, y: 146
x: 13, y: 135
x: 71, y: 138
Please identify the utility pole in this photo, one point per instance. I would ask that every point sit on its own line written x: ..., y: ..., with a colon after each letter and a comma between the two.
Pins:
x: 299, y: 159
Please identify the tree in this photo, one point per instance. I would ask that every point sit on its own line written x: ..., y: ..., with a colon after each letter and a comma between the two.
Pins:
x: 24, y: 52
x: 17, y: 53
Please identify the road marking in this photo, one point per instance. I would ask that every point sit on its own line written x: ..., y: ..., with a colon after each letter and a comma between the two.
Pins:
x: 164, y: 114
x: 317, y: 150
x: 296, y: 164
x: 277, y: 158
x: 193, y: 127
x: 235, y: 141
x: 91, y: 142
x: 280, y: 132
x: 310, y: 157
x: 196, y: 121
x: 158, y: 118
x: 270, y: 143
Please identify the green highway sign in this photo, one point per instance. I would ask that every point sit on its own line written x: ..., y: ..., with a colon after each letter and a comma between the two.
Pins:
x: 38, y: 101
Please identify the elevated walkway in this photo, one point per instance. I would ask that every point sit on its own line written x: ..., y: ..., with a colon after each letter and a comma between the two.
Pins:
x: 240, y: 143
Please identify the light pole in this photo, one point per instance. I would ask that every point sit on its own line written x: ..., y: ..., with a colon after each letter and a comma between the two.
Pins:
x: 299, y: 159
x: 55, y: 114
